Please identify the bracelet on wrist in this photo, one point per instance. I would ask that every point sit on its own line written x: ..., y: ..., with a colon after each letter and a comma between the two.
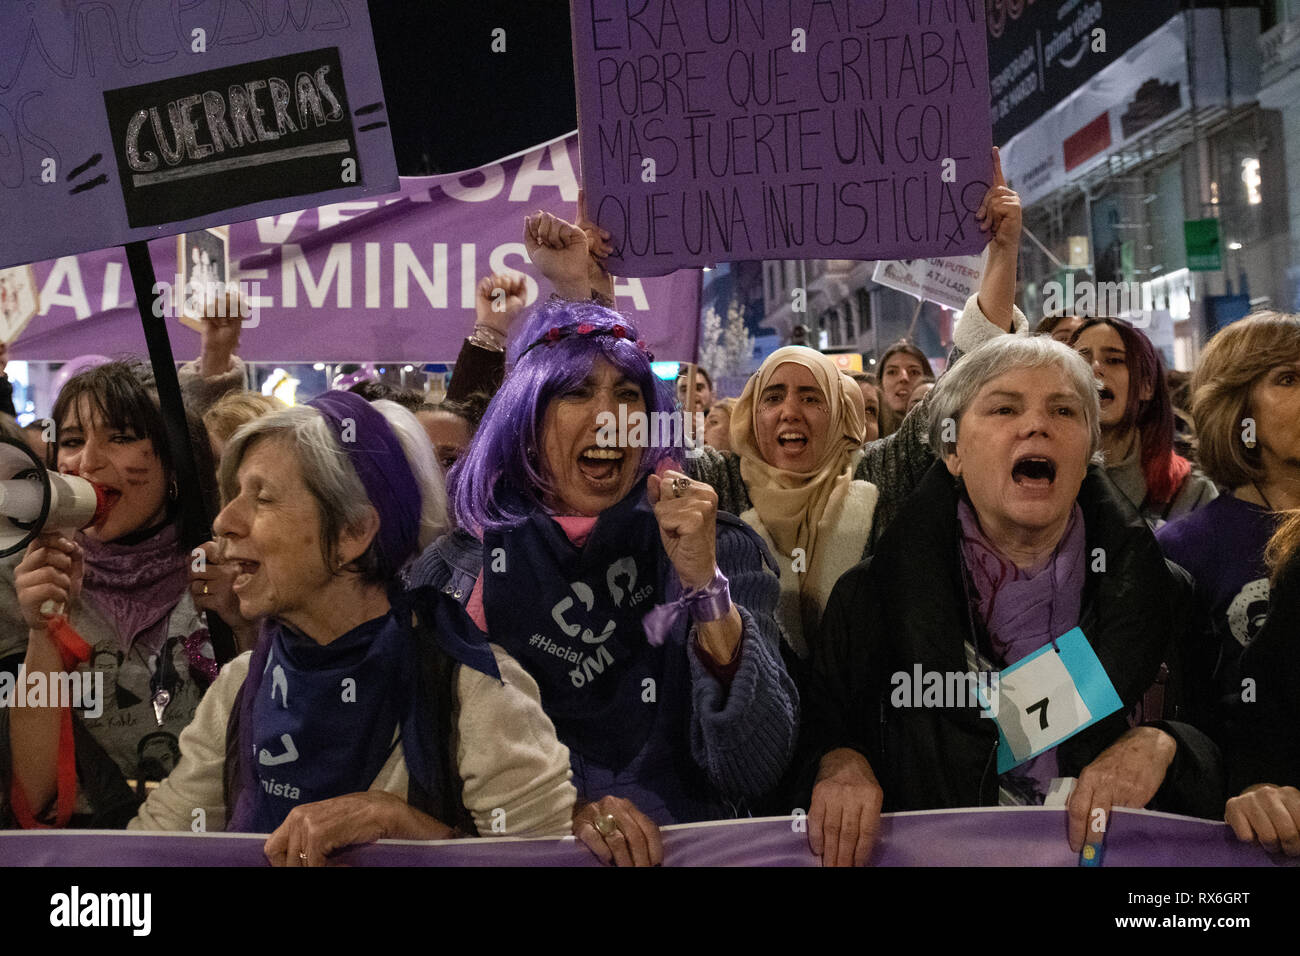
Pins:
x: 711, y: 602
x: 486, y: 337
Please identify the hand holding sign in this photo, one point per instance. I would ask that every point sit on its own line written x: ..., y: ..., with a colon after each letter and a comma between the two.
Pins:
x: 599, y: 248
x: 1126, y: 774
x: 1000, y: 214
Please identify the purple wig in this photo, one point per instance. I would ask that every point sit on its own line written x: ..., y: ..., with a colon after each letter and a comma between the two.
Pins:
x: 500, y: 480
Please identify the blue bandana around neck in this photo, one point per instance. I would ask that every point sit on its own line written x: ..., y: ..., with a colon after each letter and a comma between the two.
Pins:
x: 319, y: 721
x: 571, y: 616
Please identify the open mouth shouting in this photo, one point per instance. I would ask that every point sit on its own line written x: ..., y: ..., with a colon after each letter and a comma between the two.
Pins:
x: 792, y: 442
x: 601, y: 468
x: 1034, y: 473
x: 1105, y: 395
x: 108, y: 498
x: 247, y: 569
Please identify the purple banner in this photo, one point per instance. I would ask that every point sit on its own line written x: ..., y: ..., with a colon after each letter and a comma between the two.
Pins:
x: 783, y: 129
x: 391, y: 279
x: 125, y: 120
x: 991, y: 837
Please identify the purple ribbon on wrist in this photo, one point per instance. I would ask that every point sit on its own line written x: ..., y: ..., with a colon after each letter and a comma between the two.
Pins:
x: 709, y: 603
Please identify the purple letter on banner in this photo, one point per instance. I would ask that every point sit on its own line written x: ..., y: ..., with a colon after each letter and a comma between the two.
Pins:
x: 774, y: 129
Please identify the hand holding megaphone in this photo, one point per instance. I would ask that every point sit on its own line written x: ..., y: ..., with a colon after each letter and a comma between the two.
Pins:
x: 38, y: 509
x: 48, y: 578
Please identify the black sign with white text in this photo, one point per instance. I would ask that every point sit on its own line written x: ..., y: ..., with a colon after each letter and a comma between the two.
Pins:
x: 192, y: 145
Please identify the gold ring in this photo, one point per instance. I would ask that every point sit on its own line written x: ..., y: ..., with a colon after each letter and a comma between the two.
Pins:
x: 606, y: 825
x: 205, y: 587
x: 681, y: 486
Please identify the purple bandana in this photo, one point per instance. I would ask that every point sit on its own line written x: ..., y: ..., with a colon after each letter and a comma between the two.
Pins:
x: 136, y: 586
x: 377, y: 457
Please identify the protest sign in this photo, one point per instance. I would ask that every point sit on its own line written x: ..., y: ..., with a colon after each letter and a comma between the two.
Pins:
x: 949, y: 282
x: 773, y: 129
x: 376, y: 280
x: 129, y: 119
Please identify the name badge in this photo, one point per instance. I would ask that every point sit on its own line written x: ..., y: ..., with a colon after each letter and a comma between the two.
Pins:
x: 1049, y: 697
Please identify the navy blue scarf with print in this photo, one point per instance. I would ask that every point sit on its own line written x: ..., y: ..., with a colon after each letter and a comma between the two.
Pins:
x: 572, y: 617
x: 319, y: 721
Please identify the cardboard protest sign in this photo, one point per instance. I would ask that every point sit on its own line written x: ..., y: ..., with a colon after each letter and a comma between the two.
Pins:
x: 130, y: 119
x: 949, y: 282
x: 773, y: 129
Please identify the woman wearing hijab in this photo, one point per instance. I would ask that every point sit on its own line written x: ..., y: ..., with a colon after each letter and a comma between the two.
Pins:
x: 798, y: 433
x: 815, y: 452
x: 359, y: 715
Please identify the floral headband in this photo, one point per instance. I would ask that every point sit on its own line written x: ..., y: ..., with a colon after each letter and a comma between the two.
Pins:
x: 556, y: 333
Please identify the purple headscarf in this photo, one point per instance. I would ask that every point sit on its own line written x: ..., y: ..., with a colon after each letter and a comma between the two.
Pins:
x: 377, y: 457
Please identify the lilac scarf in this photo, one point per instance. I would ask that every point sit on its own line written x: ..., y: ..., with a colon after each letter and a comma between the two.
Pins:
x: 1024, y: 610
x: 136, y: 586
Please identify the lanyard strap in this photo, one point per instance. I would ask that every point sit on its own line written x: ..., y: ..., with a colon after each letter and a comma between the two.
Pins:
x: 73, y: 649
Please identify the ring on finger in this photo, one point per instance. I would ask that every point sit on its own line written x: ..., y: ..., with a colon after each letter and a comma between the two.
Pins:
x: 681, y: 486
x: 606, y: 825
x: 205, y: 587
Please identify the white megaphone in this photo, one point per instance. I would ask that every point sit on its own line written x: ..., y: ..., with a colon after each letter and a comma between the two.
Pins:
x: 34, y: 500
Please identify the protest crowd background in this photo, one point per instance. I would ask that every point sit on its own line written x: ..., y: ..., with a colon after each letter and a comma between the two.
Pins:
x: 791, y: 441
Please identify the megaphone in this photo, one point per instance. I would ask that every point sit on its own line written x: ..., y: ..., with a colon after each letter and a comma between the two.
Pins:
x: 34, y: 500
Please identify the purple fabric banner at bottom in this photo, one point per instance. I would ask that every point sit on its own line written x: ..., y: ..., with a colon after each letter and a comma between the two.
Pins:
x: 989, y: 837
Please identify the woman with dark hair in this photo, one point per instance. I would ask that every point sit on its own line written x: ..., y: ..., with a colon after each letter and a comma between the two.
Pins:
x: 1137, y: 423
x: 902, y: 368
x: 450, y: 426
x: 123, y: 586
x: 645, y: 615
x: 1264, y: 748
x: 358, y: 716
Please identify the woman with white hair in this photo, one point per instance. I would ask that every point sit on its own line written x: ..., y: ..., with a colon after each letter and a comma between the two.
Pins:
x: 1014, y: 546
x: 357, y: 716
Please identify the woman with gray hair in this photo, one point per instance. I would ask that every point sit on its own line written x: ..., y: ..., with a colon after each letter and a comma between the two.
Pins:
x: 1008, y: 620
x: 358, y: 716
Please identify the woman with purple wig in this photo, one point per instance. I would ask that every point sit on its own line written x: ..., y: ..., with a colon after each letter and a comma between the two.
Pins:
x: 645, y: 615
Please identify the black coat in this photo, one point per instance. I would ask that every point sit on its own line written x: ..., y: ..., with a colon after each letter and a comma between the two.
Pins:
x: 908, y: 605
x: 1264, y: 738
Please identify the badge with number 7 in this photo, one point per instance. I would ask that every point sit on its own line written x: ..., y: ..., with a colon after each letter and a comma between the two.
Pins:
x: 1049, y: 697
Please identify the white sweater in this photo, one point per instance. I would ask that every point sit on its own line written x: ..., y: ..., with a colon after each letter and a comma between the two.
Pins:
x: 506, y: 750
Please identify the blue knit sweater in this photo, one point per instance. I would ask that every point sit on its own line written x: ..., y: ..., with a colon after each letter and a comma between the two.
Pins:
x: 713, y: 749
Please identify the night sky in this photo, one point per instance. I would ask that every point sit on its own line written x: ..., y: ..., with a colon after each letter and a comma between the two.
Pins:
x: 453, y: 104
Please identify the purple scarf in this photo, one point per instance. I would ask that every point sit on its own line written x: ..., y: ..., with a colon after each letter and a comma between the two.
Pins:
x: 136, y: 586
x: 1024, y: 610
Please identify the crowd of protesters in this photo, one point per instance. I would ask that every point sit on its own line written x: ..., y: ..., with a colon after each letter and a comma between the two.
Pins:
x: 476, y: 617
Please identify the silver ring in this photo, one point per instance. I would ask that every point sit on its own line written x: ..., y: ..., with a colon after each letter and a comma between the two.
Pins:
x: 302, y: 855
x: 681, y: 486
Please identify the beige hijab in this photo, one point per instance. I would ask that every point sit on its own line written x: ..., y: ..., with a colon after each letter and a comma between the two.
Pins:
x: 791, y: 503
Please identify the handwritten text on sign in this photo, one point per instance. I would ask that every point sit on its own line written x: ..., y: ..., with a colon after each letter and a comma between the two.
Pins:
x: 124, y: 120
x: 739, y: 129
